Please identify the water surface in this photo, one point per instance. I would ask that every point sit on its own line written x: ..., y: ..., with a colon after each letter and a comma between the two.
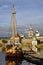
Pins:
x: 16, y: 62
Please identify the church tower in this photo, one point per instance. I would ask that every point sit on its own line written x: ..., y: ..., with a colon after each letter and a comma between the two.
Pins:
x: 30, y: 33
x: 37, y: 33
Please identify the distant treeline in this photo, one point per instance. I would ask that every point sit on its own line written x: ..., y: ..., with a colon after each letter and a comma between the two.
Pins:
x: 5, y: 37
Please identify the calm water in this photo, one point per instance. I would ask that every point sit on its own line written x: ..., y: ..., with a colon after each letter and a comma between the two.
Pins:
x: 4, y: 62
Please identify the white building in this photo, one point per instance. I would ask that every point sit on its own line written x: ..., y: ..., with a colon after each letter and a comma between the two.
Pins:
x: 37, y: 33
x: 34, y: 44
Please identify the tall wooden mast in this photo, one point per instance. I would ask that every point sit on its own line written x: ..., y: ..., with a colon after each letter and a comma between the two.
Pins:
x: 13, y: 24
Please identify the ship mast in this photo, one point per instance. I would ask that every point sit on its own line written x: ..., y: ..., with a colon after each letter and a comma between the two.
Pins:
x: 13, y: 25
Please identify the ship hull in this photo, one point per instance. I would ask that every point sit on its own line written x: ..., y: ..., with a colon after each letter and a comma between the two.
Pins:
x: 13, y: 56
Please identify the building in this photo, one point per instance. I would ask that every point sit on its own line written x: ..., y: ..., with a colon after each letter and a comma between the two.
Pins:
x: 30, y: 33
x: 34, y: 44
x: 37, y: 33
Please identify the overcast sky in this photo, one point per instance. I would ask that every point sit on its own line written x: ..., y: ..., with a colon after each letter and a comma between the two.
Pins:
x: 27, y: 12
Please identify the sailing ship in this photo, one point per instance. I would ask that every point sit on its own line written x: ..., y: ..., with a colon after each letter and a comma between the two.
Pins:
x: 13, y: 48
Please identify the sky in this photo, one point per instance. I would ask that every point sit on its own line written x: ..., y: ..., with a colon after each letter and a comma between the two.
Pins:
x: 27, y: 12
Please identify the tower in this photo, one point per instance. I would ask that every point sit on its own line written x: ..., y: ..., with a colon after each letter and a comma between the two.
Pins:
x: 37, y: 33
x: 13, y: 24
x: 30, y: 33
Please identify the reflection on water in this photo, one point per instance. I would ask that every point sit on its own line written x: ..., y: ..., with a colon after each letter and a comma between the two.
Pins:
x: 18, y: 63
x: 15, y: 63
x: 9, y: 62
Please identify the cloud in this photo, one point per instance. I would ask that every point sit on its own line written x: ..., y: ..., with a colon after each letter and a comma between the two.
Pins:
x: 4, y: 6
x: 26, y: 10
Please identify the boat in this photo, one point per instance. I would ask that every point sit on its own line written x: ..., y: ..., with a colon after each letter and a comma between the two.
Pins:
x: 13, y: 47
x: 13, y: 52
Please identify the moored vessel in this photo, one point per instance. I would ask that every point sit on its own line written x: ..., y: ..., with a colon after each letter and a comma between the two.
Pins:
x: 13, y: 47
